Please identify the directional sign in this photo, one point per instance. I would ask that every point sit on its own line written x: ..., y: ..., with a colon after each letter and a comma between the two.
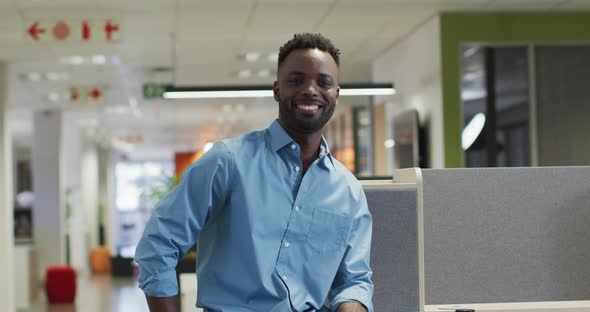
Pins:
x: 154, y: 90
x: 74, y: 30
x: 79, y: 94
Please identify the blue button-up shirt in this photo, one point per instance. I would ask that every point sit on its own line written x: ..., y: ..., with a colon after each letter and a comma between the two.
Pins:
x: 269, y: 238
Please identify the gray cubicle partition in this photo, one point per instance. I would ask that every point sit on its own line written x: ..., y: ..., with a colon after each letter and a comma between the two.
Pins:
x: 506, y: 235
x: 394, y: 251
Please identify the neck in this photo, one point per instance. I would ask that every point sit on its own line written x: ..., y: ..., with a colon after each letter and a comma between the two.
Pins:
x: 309, y: 144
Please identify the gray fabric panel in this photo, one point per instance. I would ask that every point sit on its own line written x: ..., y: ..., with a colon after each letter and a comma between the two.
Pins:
x: 394, y: 249
x: 506, y: 235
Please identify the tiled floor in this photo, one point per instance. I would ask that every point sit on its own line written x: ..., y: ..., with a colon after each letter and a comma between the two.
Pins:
x: 99, y: 293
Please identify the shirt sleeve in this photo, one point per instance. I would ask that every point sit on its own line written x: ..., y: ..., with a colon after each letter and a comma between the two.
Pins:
x: 178, y: 219
x: 353, y: 279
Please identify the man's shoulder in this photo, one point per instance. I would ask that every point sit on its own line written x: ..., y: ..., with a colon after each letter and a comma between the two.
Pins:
x: 242, y: 142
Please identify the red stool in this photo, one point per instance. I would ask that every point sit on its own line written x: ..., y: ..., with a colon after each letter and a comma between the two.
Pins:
x: 60, y: 284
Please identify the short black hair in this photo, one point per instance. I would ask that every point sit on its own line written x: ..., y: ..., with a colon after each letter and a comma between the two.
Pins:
x: 309, y: 41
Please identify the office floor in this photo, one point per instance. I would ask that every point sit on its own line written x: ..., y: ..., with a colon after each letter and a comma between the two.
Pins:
x: 99, y: 293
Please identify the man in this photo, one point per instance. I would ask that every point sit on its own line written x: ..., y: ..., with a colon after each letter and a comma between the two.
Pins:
x: 281, y: 225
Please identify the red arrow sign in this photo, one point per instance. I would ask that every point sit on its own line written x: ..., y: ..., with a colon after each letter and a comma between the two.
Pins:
x: 95, y: 93
x: 34, y: 30
x: 109, y: 28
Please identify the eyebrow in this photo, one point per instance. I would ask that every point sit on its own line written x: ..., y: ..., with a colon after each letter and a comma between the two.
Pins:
x: 298, y: 73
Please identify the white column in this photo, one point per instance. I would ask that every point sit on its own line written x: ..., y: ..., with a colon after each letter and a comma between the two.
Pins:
x: 73, y: 198
x: 105, y: 195
x: 90, y: 191
x: 6, y: 200
x: 48, y: 211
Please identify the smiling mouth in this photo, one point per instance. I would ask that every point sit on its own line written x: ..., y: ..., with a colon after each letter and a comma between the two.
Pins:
x: 308, y: 107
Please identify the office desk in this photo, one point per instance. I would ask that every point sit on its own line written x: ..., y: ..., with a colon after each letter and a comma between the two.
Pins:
x: 548, y: 306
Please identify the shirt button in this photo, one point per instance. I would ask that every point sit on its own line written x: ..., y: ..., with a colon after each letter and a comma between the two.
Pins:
x: 286, y: 244
x: 297, y: 208
x: 284, y: 277
x: 293, y: 146
x: 297, y: 168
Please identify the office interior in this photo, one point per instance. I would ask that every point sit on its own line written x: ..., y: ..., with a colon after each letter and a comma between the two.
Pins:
x: 475, y: 159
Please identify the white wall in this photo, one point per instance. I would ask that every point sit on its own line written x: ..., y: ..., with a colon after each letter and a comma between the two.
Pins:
x: 6, y: 201
x: 413, y: 65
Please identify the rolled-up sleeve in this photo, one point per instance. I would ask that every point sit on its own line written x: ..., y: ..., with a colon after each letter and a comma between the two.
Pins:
x: 353, y: 280
x: 178, y: 219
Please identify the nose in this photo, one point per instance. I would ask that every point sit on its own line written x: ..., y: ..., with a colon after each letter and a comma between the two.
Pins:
x: 310, y: 90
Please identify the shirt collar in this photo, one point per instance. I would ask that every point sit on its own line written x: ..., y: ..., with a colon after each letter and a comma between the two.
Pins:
x: 279, y: 138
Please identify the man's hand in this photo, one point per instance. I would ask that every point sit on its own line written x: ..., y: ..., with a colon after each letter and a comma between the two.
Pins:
x: 166, y: 304
x: 351, y: 307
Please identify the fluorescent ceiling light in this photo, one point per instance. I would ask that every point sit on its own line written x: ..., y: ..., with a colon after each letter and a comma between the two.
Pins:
x: 389, y: 143
x: 217, y: 94
x: 379, y: 91
x: 472, y: 130
x: 266, y: 91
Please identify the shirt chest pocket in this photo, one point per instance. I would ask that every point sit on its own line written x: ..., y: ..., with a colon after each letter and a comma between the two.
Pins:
x: 328, y: 231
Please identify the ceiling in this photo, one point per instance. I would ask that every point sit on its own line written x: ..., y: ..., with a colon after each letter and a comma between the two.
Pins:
x: 199, y: 42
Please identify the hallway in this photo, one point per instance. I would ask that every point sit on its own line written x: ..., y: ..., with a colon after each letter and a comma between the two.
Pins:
x: 98, y: 293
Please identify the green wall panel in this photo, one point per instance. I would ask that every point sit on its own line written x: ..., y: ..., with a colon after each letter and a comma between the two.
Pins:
x: 458, y: 28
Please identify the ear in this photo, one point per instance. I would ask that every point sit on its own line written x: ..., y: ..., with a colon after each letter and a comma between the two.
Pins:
x: 275, y: 91
x: 337, y: 94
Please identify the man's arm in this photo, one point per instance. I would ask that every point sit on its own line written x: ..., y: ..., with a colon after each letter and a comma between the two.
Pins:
x: 164, y: 304
x: 177, y: 222
x: 352, y: 289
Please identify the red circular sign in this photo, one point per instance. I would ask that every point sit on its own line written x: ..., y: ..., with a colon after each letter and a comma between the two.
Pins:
x: 61, y: 30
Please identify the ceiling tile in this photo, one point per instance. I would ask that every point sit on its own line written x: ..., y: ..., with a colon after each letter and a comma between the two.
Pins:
x: 277, y: 21
x: 212, y: 23
x: 355, y: 21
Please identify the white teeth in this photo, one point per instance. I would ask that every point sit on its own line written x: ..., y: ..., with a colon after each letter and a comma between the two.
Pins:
x: 308, y: 107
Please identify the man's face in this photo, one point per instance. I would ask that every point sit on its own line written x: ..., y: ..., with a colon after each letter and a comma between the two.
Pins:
x: 307, y: 90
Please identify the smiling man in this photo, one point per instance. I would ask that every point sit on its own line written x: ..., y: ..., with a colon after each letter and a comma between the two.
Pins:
x: 280, y: 224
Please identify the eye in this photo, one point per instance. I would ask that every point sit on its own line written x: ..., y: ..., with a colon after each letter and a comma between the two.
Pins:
x: 294, y: 81
x: 324, y: 83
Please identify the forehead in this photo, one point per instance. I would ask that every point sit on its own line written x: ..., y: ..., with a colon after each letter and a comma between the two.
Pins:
x: 309, y: 60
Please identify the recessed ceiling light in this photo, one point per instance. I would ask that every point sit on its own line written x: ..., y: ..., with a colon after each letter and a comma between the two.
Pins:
x: 73, y: 60
x: 273, y: 57
x: 53, y: 96
x: 53, y: 76
x: 244, y: 73
x: 99, y: 59
x: 263, y: 73
x: 252, y: 56
x: 34, y: 76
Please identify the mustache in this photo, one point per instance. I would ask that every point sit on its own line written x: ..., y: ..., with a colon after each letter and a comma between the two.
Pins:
x: 310, y: 99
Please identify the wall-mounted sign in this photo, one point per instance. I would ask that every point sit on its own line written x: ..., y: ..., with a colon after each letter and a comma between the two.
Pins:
x: 74, y: 30
x: 80, y: 94
x: 154, y: 90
